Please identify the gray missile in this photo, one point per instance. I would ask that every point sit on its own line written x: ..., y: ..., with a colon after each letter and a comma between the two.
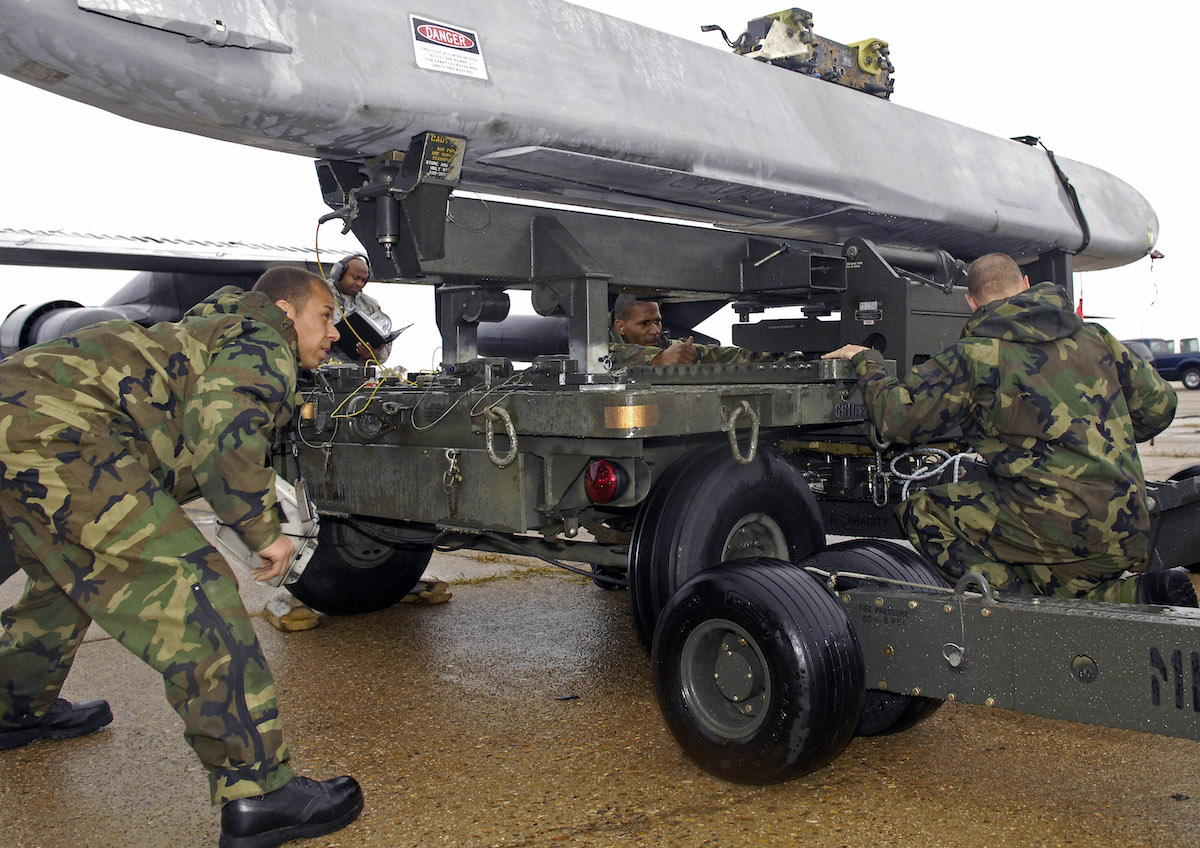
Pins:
x: 565, y: 104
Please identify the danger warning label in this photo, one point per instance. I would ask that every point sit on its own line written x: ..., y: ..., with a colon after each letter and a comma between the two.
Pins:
x: 450, y: 49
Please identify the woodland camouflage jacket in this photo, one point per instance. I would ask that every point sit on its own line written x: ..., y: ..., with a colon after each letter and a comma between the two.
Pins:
x: 198, y: 402
x: 1054, y: 405
x: 625, y: 355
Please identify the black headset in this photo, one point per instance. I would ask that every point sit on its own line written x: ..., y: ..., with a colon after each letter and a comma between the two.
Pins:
x: 339, y: 267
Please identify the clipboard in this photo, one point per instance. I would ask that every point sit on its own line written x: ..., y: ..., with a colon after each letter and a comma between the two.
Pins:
x: 368, y: 330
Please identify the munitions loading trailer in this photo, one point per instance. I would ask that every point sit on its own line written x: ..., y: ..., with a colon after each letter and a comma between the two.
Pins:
x: 654, y: 474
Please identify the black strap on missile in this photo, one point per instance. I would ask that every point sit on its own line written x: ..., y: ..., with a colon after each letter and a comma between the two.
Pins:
x: 1066, y: 184
x: 715, y: 28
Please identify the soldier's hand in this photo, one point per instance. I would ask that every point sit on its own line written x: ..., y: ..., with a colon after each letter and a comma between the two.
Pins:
x: 845, y: 352
x: 680, y: 353
x: 365, y: 351
x: 276, y: 557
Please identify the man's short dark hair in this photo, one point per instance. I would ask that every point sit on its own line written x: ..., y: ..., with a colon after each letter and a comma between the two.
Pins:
x: 295, y: 285
x: 625, y: 303
x: 992, y: 277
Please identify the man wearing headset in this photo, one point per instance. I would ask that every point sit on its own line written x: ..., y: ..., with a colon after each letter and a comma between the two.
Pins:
x: 347, y: 280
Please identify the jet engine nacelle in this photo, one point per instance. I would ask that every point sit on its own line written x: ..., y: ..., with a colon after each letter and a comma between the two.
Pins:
x: 150, y: 297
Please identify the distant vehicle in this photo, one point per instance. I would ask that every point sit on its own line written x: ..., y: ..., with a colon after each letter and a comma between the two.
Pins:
x: 1184, y: 367
x: 1141, y: 349
x: 1159, y: 347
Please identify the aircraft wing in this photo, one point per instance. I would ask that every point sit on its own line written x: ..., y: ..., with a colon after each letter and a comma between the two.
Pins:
x: 175, y: 274
x: 63, y: 249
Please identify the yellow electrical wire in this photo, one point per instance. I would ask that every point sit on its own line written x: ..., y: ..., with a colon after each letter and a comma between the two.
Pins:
x: 336, y: 414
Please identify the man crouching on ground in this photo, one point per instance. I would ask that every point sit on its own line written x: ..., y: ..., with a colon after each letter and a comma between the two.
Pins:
x: 1056, y: 407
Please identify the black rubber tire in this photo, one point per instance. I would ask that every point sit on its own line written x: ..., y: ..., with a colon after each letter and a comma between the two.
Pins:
x: 785, y: 646
x: 1190, y: 379
x: 883, y: 712
x: 1185, y: 473
x: 707, y: 508
x: 353, y: 573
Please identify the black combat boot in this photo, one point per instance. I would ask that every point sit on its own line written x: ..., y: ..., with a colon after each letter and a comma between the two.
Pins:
x: 301, y: 808
x: 1172, y: 588
x: 62, y: 721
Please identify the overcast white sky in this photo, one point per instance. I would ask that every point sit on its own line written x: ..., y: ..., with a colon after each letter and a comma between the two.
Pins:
x: 1107, y: 83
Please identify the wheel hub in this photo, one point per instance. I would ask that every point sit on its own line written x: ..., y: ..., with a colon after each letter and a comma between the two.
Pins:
x: 734, y: 675
x: 359, y: 550
x: 726, y: 678
x: 755, y: 535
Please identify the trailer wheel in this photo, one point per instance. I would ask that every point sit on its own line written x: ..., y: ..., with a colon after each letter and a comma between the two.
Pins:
x: 352, y: 573
x: 1191, y: 378
x: 706, y: 508
x: 1185, y: 474
x: 758, y: 671
x: 883, y: 712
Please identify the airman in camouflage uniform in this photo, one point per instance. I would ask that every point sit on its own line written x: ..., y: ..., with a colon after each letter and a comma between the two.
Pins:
x: 636, y: 338
x: 346, y: 282
x: 102, y: 435
x: 1055, y: 406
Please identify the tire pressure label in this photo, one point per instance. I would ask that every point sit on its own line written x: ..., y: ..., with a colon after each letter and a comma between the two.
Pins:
x: 447, y: 48
x: 878, y: 616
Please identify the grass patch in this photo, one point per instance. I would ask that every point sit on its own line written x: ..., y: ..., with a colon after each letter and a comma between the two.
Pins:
x: 520, y: 572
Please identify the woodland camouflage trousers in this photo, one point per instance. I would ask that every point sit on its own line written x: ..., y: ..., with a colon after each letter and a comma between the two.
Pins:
x: 964, y: 527
x: 100, y: 540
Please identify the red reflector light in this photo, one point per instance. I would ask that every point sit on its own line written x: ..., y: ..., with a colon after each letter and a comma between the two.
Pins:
x: 604, y: 481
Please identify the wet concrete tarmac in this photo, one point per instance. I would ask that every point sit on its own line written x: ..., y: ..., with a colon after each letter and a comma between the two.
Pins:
x: 521, y: 713
x: 1179, y: 445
